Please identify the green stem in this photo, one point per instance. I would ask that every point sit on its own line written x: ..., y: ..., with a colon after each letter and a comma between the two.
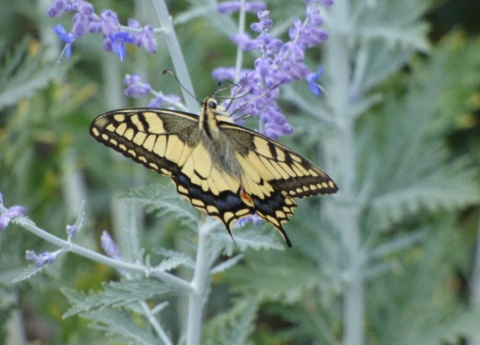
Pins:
x: 175, y: 53
x: 475, y: 282
x: 199, y: 284
x: 342, y: 151
x: 155, y: 324
x: 241, y: 31
x: 29, y: 225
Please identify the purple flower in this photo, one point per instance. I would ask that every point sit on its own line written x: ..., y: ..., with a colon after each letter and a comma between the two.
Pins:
x: 16, y: 211
x: 109, y: 246
x: 255, y: 219
x: 133, y: 23
x: 147, y: 41
x: 156, y: 102
x: 4, y: 221
x: 135, y: 86
x: 40, y: 259
x: 229, y: 7
x: 312, y: 81
x: 12, y: 212
x: 81, y: 25
x: 255, y: 6
x: 145, y: 38
x: 57, y: 9
x: 117, y: 42
x: 224, y: 73
x: 62, y: 6
x: 85, y: 20
x: 71, y: 231
x: 159, y: 100
x: 264, y: 24
x: 84, y: 7
x: 274, y: 131
x: 65, y: 37
x: 277, y: 63
x: 109, y: 22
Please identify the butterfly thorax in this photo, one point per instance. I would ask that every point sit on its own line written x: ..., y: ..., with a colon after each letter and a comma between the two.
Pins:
x: 215, y: 140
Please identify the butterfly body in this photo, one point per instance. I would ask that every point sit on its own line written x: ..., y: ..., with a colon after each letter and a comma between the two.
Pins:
x: 225, y: 170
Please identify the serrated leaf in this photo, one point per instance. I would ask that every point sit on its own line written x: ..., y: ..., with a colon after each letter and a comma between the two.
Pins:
x: 235, y: 326
x: 396, y: 22
x: 274, y: 276
x: 165, y: 202
x: 173, y: 259
x: 248, y: 237
x: 29, y: 272
x: 121, y: 326
x: 410, y: 170
x: 227, y: 264
x: 115, y: 294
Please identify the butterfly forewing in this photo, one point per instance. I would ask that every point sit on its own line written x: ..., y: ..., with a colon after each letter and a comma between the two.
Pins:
x: 160, y: 140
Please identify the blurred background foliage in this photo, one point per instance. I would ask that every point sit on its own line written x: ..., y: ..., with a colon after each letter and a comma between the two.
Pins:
x: 423, y: 291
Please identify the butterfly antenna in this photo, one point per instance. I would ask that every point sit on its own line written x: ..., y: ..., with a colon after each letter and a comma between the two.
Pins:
x: 237, y: 91
x: 179, y: 83
x: 251, y: 100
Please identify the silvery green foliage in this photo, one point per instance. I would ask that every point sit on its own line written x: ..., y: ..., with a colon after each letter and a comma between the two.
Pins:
x: 22, y: 74
x: 384, y: 249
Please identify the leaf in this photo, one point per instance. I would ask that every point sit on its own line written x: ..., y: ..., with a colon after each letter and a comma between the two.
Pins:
x: 249, y: 236
x: 121, y: 326
x: 406, y: 166
x: 115, y: 294
x: 23, y: 73
x: 165, y: 202
x: 227, y: 264
x: 426, y: 285
x: 273, y: 276
x: 395, y: 22
x: 29, y: 272
x: 173, y: 260
x: 235, y: 326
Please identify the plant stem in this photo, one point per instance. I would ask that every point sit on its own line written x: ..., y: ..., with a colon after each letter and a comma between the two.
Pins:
x: 475, y: 282
x: 175, y: 53
x: 199, y: 285
x: 29, y: 225
x: 347, y: 217
x: 155, y: 324
x: 241, y: 31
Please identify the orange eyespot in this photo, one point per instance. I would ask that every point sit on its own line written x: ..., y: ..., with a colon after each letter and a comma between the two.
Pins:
x: 246, y: 198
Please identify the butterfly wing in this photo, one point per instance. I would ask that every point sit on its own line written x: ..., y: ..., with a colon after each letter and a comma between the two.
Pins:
x: 211, y: 189
x: 161, y: 140
x: 273, y: 175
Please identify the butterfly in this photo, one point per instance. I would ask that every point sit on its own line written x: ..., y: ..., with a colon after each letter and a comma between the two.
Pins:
x: 225, y: 170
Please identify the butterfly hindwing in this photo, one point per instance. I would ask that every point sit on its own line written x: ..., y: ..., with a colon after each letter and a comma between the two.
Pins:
x: 210, y: 189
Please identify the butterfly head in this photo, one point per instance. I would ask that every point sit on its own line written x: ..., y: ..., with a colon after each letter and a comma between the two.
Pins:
x: 213, y: 111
